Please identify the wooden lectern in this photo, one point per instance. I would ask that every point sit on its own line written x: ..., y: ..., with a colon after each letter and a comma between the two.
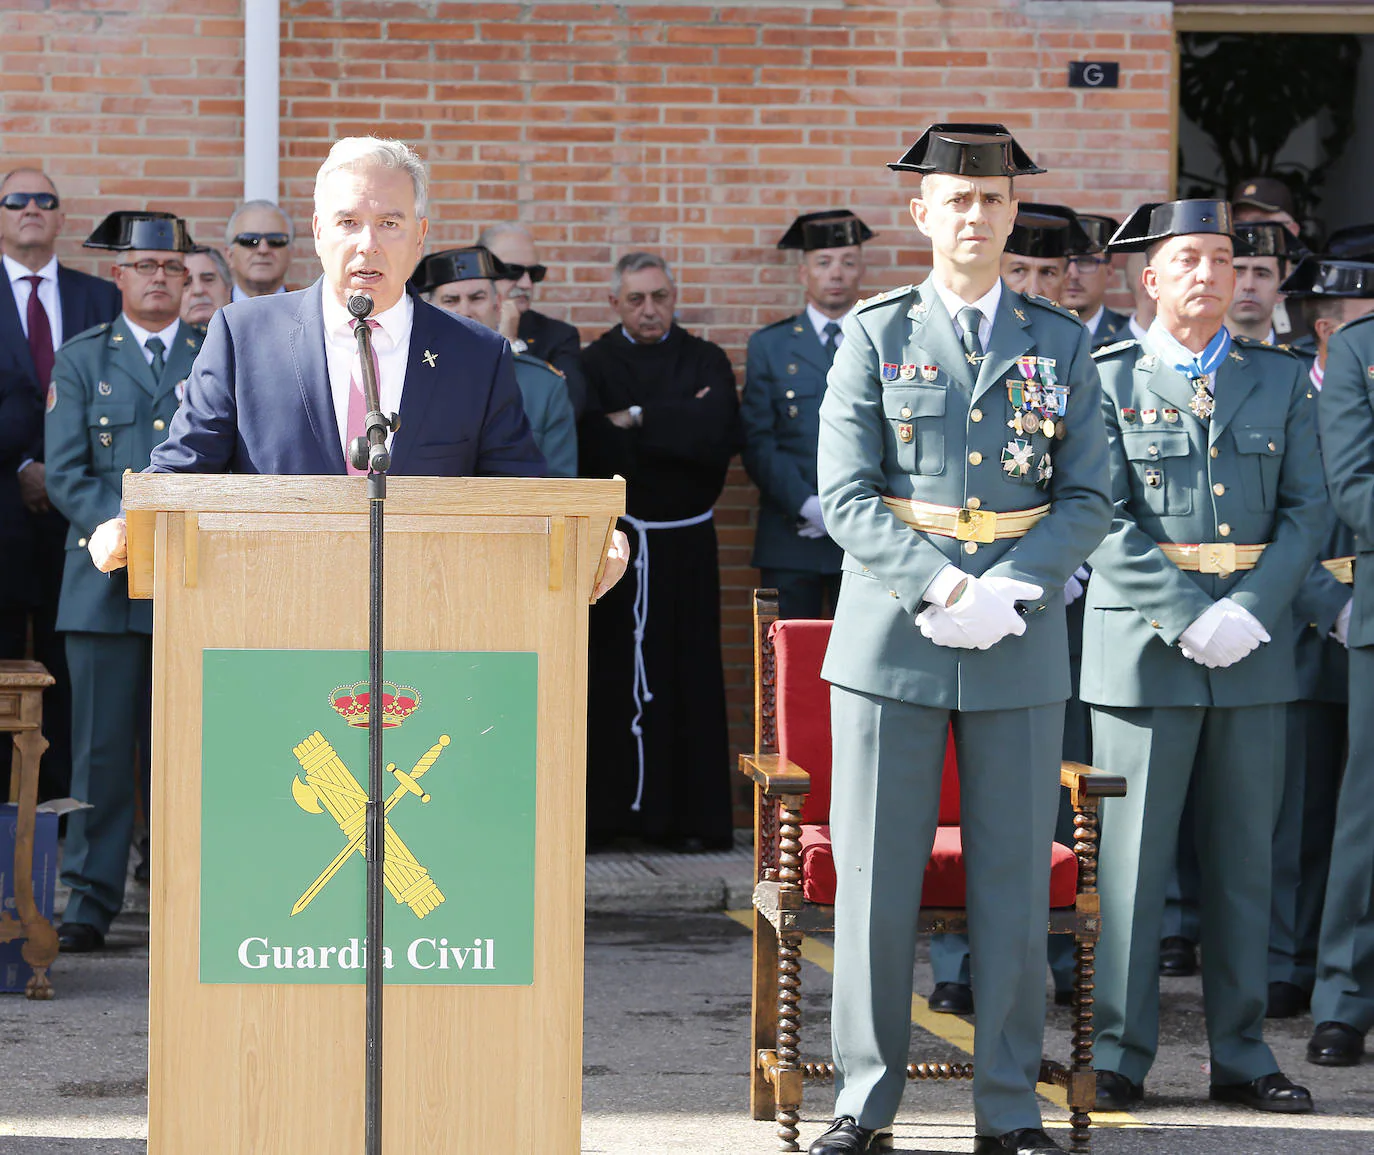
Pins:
x: 272, y: 564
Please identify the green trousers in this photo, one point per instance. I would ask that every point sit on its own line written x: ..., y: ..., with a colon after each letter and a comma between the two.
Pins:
x: 1234, y: 757
x: 885, y: 798
x: 1344, y: 991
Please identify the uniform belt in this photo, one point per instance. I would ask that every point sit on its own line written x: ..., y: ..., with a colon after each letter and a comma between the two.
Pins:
x: 964, y: 524
x: 1223, y: 557
x: 1341, y: 568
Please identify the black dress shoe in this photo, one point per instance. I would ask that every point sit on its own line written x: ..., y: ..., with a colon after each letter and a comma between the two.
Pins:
x: 845, y: 1137
x: 1177, y: 957
x: 951, y: 999
x: 1274, y: 1092
x: 79, y: 938
x: 1027, y: 1141
x: 1115, y: 1092
x: 1286, y: 1001
x: 1335, y: 1045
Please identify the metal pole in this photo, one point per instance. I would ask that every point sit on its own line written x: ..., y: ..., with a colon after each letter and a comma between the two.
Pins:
x: 261, y: 98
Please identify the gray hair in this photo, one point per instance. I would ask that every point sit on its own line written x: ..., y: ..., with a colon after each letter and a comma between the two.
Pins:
x: 4, y: 180
x: 217, y: 259
x: 501, y: 229
x: 231, y: 229
x: 637, y: 263
x: 355, y: 152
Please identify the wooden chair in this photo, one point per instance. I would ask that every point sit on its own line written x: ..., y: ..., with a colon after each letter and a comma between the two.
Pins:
x: 795, y: 875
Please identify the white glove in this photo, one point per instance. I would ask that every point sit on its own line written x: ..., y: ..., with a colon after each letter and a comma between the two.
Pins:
x: 812, y: 523
x: 1074, y: 587
x: 984, y: 613
x: 1341, y: 630
x: 109, y: 545
x: 1223, y: 633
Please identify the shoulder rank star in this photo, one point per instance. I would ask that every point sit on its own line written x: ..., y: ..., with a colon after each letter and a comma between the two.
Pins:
x: 430, y: 359
x: 1017, y: 458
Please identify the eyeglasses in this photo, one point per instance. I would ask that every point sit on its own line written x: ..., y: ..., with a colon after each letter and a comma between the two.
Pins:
x: 16, y: 201
x: 253, y: 240
x: 1089, y: 262
x: 515, y: 272
x: 148, y: 267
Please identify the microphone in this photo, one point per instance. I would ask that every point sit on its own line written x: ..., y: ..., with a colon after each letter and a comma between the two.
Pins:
x: 369, y: 451
x: 360, y: 305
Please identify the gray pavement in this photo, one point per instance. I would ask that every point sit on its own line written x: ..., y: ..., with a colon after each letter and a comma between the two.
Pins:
x: 666, y: 1047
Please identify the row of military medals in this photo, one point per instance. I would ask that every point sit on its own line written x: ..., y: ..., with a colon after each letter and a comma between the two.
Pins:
x: 1038, y: 406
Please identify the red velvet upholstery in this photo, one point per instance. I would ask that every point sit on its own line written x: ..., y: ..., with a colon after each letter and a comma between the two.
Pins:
x: 803, y: 718
x: 943, y: 885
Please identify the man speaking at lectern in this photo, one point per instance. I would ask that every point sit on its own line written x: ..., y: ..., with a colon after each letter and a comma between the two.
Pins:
x: 277, y: 387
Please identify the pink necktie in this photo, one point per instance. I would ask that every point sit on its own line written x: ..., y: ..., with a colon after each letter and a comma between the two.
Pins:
x: 357, y: 403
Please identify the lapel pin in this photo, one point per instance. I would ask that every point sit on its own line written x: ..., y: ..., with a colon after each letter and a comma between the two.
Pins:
x: 908, y: 372
x: 431, y: 359
x: 930, y: 372
x: 905, y: 433
x: 1128, y: 416
x: 1171, y: 416
x: 890, y: 370
x: 1149, y: 416
x: 104, y: 389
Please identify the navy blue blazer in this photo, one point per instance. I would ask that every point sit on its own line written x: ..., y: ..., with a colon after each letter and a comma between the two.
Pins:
x: 258, y: 398
x: 86, y: 301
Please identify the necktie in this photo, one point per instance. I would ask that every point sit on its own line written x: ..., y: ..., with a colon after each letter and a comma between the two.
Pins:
x: 155, y: 346
x: 970, y: 318
x: 40, y: 335
x: 357, y: 402
x: 832, y: 338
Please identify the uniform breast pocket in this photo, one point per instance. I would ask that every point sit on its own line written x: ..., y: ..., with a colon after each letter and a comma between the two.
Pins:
x: 1162, y: 472
x: 1259, y: 456
x: 916, y: 428
x: 111, y: 429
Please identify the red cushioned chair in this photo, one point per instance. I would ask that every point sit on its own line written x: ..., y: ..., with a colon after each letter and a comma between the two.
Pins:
x: 795, y: 874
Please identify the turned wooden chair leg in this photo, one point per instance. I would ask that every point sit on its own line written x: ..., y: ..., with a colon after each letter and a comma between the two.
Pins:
x: 763, y: 1101
x: 1083, y: 1081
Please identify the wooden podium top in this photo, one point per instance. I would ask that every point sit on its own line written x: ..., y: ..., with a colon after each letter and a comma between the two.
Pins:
x: 280, y: 502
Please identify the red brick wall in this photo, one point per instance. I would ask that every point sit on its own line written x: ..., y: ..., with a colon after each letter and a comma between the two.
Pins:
x: 694, y: 131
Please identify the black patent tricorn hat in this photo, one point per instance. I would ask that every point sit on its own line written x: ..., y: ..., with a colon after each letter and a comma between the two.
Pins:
x: 1353, y: 243
x: 1268, y: 239
x: 474, y: 263
x: 1047, y: 232
x: 1155, y: 222
x: 1330, y: 277
x: 1099, y: 228
x: 125, y: 231
x: 967, y: 150
x: 831, y: 229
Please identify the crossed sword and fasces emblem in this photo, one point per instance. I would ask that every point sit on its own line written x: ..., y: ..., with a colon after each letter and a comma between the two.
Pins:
x: 330, y: 785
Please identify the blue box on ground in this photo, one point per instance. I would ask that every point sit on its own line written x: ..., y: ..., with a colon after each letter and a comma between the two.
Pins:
x: 14, y: 971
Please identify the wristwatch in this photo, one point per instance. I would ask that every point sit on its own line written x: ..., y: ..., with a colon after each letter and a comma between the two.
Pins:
x: 636, y: 414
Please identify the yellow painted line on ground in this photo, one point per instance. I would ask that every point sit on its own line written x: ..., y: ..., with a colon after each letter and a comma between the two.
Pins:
x: 956, y: 1031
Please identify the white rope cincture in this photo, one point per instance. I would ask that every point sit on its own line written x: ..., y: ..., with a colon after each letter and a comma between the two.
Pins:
x: 640, y: 689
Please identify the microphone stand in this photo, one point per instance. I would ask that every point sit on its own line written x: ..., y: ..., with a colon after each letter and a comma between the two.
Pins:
x: 370, y: 452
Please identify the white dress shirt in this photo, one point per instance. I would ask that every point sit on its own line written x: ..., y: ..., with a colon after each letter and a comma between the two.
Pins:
x: 986, y: 304
x: 47, y: 295
x: 141, y: 335
x: 819, y: 321
x: 390, y: 341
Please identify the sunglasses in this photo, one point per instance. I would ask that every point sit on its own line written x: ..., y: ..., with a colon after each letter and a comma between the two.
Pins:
x: 148, y: 267
x: 253, y: 240
x: 537, y: 272
x: 16, y: 201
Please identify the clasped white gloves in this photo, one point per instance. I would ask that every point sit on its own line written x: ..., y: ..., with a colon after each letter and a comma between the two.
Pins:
x: 1224, y: 633
x: 812, y: 523
x: 1341, y: 630
x: 1077, y: 583
x: 981, y: 616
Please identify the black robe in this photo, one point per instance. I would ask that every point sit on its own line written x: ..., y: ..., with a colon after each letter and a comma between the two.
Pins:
x: 674, y: 465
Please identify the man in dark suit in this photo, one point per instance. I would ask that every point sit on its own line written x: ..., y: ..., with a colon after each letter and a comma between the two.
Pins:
x: 450, y: 379
x: 21, y: 420
x: 41, y: 304
x: 537, y: 334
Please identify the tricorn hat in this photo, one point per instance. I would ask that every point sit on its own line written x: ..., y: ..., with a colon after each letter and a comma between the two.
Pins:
x: 1047, y: 232
x: 1155, y: 222
x: 124, y: 231
x: 1353, y: 243
x: 831, y: 229
x: 473, y: 263
x: 967, y: 150
x: 1268, y: 239
x: 1330, y: 277
x: 1099, y: 229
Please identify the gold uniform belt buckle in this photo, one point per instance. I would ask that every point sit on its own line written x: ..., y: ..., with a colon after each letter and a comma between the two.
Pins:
x: 976, y: 525
x: 1217, y: 557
